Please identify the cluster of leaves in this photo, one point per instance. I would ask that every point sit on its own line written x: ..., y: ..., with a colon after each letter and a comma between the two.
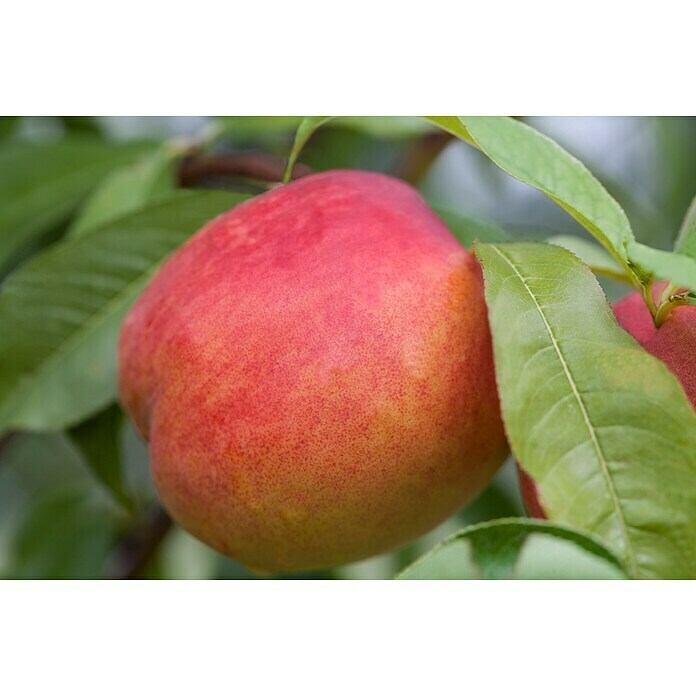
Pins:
x: 85, y: 222
x: 603, y: 428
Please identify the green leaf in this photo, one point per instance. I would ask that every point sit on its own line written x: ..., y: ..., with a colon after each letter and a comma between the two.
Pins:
x: 686, y: 239
x: 535, y: 159
x: 453, y: 125
x: 98, y: 440
x: 516, y: 549
x: 126, y: 190
x: 669, y: 265
x: 376, y: 126
x: 42, y: 184
x: 61, y: 312
x: 467, y: 229
x: 8, y: 125
x: 590, y: 254
x: 308, y: 125
x: 66, y: 535
x: 602, y: 426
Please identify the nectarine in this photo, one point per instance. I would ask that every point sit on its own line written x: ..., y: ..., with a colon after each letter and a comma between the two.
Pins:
x: 313, y: 371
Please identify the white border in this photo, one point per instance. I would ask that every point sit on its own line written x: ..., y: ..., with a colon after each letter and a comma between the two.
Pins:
x: 362, y: 638
x: 362, y: 57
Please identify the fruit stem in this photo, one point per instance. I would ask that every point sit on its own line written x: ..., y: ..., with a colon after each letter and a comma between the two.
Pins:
x: 669, y: 299
x: 666, y: 307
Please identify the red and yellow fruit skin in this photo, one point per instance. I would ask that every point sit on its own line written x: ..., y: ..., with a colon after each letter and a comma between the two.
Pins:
x: 314, y: 373
x: 674, y: 343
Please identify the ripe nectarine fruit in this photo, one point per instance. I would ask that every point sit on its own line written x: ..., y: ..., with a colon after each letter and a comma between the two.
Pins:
x: 313, y: 371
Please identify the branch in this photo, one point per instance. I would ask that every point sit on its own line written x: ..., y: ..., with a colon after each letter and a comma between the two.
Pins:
x: 139, y: 546
x: 250, y: 165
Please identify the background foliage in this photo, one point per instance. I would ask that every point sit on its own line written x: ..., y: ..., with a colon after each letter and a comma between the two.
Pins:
x: 89, y: 207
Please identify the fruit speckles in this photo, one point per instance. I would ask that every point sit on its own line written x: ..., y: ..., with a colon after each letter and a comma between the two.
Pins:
x: 316, y: 371
x: 674, y: 342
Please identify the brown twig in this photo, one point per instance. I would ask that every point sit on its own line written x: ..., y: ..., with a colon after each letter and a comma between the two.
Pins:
x: 138, y: 547
x: 422, y: 154
x: 250, y: 165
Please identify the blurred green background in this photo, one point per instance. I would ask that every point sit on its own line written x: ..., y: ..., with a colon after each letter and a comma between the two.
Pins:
x: 57, y: 519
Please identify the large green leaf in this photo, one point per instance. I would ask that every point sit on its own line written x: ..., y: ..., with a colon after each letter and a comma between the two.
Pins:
x: 126, y: 190
x: 670, y: 265
x: 516, y: 549
x: 41, y: 185
x: 686, y: 240
x: 602, y: 426
x: 535, y: 159
x: 61, y: 312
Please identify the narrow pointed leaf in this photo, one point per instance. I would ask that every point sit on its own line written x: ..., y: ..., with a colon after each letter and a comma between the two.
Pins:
x: 61, y: 312
x: 602, y: 426
x: 516, y: 549
x: 535, y: 159
x: 307, y: 126
x: 375, y: 126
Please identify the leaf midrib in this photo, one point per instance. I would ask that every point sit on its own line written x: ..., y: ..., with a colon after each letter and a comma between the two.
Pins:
x: 588, y: 423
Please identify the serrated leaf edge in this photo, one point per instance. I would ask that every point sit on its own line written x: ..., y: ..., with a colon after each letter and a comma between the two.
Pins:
x: 630, y: 555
